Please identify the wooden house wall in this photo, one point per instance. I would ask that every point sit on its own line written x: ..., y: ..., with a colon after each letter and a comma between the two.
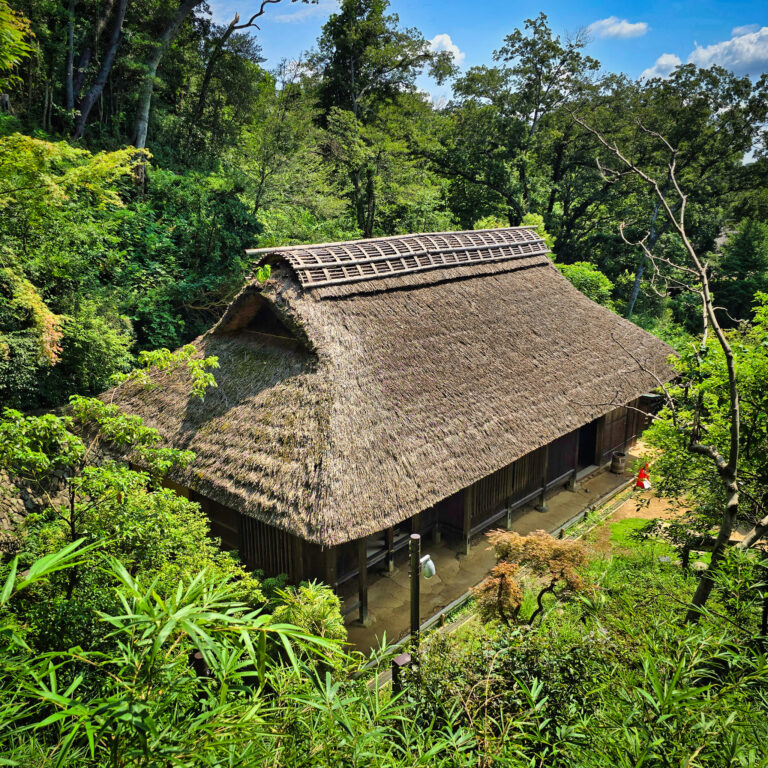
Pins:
x: 261, y: 547
x: 620, y: 429
x: 450, y: 513
x: 562, y: 456
x: 491, y: 494
x: 529, y: 473
x: 225, y: 522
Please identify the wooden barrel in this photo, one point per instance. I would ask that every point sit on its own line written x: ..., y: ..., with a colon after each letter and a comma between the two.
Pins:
x: 618, y: 462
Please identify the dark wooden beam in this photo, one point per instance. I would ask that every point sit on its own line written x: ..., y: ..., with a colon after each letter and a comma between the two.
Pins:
x: 416, y: 523
x: 329, y: 555
x: 599, y: 440
x: 542, y: 505
x: 469, y: 505
x: 390, y: 557
x: 362, y: 579
x: 297, y: 554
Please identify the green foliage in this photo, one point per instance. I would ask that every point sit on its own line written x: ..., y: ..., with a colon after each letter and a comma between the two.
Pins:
x: 191, y: 676
x: 609, y: 675
x: 314, y: 607
x: 15, y: 43
x: 702, y: 415
x: 184, y: 261
x: 590, y: 281
x: 365, y: 59
x: 60, y: 206
x: 490, y: 222
x: 742, y: 270
x: 186, y: 358
x: 124, y: 513
x: 537, y: 220
x: 140, y: 696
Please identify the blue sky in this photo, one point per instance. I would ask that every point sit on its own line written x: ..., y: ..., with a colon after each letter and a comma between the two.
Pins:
x: 632, y: 37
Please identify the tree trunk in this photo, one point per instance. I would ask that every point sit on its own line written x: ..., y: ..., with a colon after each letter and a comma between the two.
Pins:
x: 652, y: 237
x: 96, y: 89
x: 87, y: 52
x: 69, y: 93
x: 370, y: 193
x: 153, y: 62
x: 210, y: 68
x: 707, y: 582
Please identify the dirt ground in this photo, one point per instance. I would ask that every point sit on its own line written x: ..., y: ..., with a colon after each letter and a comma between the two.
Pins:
x: 641, y: 504
x: 646, y: 505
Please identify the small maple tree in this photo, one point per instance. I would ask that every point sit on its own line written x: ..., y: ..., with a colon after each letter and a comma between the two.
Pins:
x: 555, y: 563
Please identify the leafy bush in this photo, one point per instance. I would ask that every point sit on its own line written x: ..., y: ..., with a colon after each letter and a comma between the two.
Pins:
x: 611, y: 676
x: 314, y: 607
x: 590, y: 281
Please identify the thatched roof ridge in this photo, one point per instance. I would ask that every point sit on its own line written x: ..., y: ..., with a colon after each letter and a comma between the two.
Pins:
x: 399, y: 390
x: 367, y: 261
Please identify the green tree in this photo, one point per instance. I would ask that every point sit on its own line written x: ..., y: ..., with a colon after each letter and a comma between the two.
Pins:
x: 365, y: 60
x: 124, y: 512
x: 61, y: 210
x: 688, y: 272
x: 742, y: 269
x: 497, y: 123
x: 15, y: 45
x: 366, y: 68
x: 701, y: 413
x: 590, y: 281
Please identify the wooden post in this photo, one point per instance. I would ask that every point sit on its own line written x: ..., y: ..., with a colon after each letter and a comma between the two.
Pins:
x: 414, y: 575
x: 330, y: 567
x: 416, y: 523
x: 362, y: 579
x: 469, y: 501
x: 297, y: 554
x: 542, y: 505
x: 398, y: 664
x: 599, y: 440
x: 390, y: 557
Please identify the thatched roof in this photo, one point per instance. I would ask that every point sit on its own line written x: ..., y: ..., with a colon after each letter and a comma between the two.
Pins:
x: 366, y: 381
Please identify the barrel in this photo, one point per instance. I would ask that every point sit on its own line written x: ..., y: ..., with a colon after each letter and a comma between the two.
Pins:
x: 618, y: 462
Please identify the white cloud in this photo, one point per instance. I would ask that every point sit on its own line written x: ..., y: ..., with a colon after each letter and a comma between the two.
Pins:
x: 443, y: 42
x: 745, y: 30
x: 662, y: 67
x: 304, y: 12
x: 744, y: 54
x: 613, y: 26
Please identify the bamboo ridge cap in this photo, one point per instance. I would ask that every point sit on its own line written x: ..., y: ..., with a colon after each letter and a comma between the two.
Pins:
x: 360, y: 261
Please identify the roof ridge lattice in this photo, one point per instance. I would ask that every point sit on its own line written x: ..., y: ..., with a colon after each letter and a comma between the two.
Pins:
x: 330, y: 264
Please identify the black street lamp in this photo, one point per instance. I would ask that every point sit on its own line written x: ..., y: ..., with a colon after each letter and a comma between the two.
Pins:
x: 419, y: 565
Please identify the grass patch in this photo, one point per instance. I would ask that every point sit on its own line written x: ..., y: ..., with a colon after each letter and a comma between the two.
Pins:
x: 624, y: 533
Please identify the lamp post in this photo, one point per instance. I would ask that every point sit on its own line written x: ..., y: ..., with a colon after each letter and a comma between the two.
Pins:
x: 419, y: 565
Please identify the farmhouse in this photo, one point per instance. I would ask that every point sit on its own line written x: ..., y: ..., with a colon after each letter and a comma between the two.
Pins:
x: 371, y: 389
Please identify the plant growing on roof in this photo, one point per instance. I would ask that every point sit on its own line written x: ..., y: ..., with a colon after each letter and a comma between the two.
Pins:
x: 554, y: 563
